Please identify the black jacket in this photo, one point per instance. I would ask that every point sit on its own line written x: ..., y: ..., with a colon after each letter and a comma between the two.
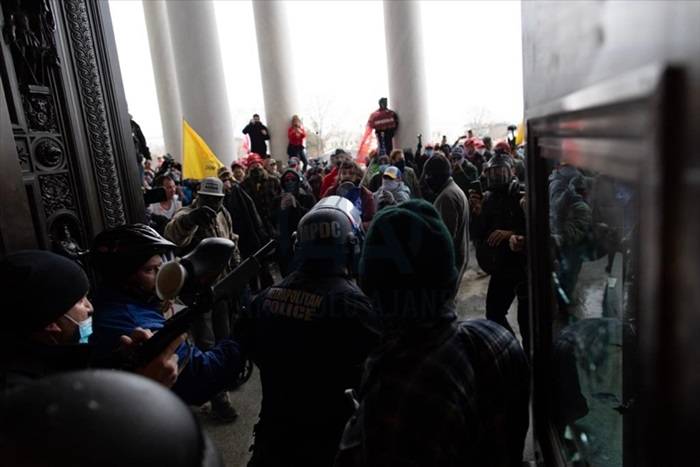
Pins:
x: 287, y: 223
x: 245, y: 220
x: 142, y: 151
x: 258, y: 140
x: 500, y: 211
x: 309, y: 338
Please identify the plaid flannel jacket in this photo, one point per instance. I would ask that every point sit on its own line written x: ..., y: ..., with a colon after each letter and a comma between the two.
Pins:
x: 452, y: 393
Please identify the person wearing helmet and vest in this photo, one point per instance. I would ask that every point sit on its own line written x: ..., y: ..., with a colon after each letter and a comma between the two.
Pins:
x: 100, y: 417
x: 496, y: 217
x: 309, y: 335
x: 207, y: 217
x: 48, y: 322
x: 127, y: 259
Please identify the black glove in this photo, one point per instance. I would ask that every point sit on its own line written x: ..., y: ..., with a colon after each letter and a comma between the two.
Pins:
x: 201, y: 216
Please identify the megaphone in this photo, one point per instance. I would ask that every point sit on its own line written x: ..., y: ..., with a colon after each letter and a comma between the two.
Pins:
x: 198, y: 269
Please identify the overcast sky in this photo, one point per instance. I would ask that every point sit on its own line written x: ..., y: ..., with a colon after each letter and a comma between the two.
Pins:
x: 472, y: 53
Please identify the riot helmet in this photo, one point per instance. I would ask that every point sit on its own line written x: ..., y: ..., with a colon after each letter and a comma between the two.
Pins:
x: 103, y: 417
x: 328, y: 237
x: 118, y: 252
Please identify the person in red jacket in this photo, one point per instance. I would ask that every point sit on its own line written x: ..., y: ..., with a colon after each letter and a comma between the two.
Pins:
x: 384, y: 122
x: 297, y: 135
x: 329, y: 180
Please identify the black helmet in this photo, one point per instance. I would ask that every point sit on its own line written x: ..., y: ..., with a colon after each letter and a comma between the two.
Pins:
x: 327, y: 238
x: 498, y: 171
x: 120, y: 251
x: 104, y: 417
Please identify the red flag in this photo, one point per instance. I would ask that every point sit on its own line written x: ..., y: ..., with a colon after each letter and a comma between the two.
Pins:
x: 246, y: 144
x: 363, y: 149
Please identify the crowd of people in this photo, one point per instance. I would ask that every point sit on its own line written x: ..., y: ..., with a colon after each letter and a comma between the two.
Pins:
x: 352, y: 321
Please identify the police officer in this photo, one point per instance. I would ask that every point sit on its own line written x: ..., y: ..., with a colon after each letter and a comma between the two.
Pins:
x: 309, y: 336
x: 496, y: 217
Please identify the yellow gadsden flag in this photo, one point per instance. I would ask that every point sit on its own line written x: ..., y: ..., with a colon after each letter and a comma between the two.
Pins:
x: 520, y: 137
x: 198, y: 161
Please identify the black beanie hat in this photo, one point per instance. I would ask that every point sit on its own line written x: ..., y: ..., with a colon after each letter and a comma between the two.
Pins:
x: 408, y: 251
x: 438, y: 165
x: 38, y: 287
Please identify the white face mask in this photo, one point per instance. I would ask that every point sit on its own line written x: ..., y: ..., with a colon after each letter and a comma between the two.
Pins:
x: 390, y: 184
x: 481, y: 151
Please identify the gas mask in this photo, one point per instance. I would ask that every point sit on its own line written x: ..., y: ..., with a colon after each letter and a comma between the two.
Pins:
x: 498, y: 177
x: 257, y: 173
x: 290, y: 185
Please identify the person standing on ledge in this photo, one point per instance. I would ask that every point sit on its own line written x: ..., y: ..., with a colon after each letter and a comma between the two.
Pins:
x: 258, y: 134
x: 384, y: 122
x: 297, y: 135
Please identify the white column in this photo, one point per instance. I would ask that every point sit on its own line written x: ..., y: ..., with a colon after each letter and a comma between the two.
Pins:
x: 406, y: 70
x: 200, y: 74
x: 277, y: 74
x: 166, y: 79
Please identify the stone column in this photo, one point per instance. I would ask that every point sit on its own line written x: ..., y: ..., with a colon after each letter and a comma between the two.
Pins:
x: 200, y: 74
x: 163, y: 62
x: 406, y: 70
x: 277, y: 74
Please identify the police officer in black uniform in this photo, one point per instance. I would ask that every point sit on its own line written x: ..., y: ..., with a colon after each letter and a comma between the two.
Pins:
x: 496, y: 217
x: 309, y: 335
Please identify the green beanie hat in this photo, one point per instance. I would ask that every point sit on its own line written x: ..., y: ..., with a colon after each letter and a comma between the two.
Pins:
x: 409, y: 253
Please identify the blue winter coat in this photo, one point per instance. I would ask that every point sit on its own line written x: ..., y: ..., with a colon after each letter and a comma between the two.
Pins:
x: 206, y: 374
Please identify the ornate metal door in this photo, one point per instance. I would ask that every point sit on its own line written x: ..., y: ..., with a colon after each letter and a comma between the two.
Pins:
x: 65, y: 108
